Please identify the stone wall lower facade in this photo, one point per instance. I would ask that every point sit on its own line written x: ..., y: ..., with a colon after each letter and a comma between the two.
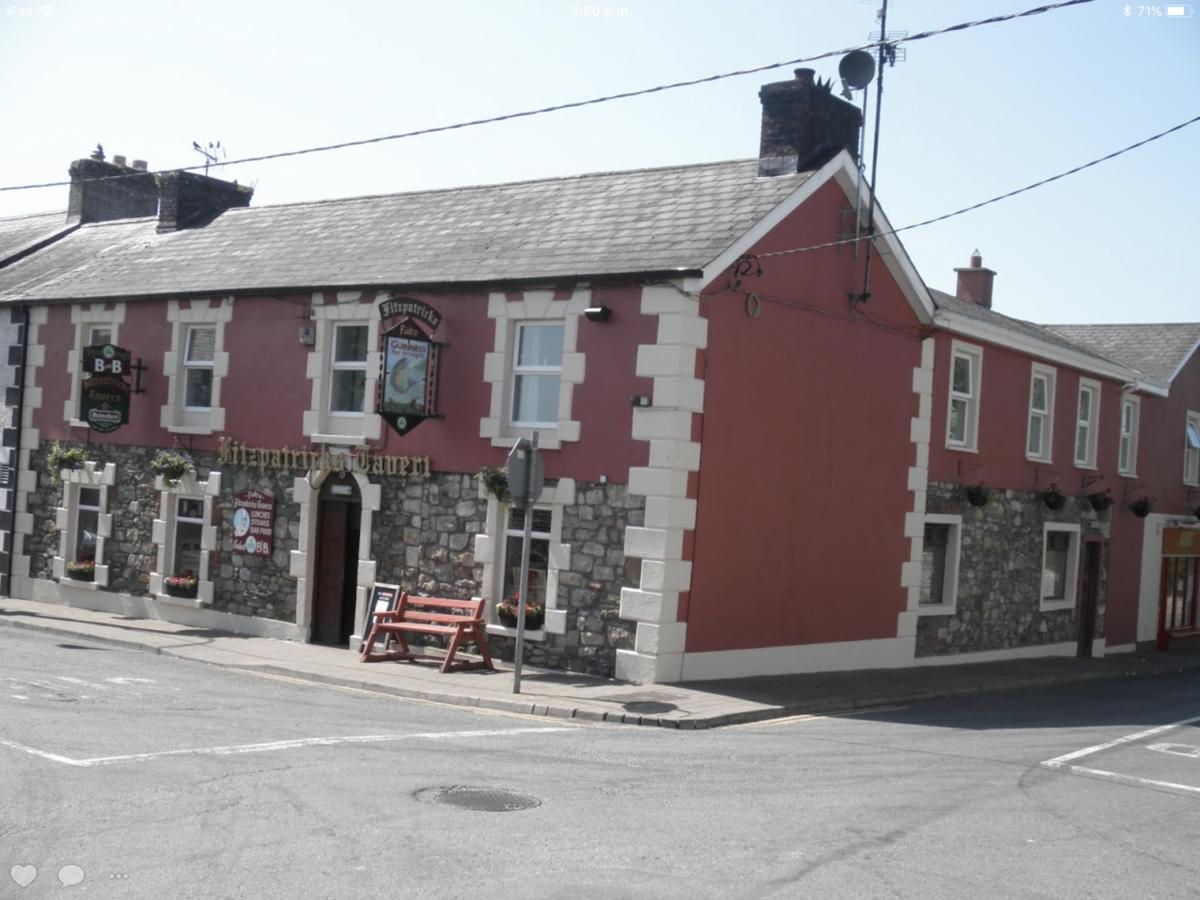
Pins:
x: 1000, y: 573
x: 422, y: 538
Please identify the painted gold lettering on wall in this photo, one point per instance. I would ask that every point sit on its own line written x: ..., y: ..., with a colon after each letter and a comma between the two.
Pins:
x: 361, y: 461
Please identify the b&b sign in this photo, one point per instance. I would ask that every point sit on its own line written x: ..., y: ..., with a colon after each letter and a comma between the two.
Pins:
x: 104, y: 387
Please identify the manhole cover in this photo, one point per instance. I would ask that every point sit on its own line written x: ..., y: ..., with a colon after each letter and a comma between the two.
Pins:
x: 480, y: 799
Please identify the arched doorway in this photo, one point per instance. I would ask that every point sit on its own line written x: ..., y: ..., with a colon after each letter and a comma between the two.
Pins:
x: 335, y: 576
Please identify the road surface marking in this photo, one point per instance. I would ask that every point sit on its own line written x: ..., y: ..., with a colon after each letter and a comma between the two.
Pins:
x: 276, y: 745
x: 1177, y: 749
x: 1132, y: 779
x: 814, y: 717
x: 1060, y: 761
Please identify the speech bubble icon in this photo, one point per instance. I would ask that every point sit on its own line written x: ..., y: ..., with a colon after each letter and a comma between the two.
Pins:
x: 70, y: 875
x: 23, y: 875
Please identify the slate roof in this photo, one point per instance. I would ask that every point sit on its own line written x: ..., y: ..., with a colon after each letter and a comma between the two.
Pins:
x: 1155, y: 350
x: 19, y: 232
x: 1019, y: 326
x: 615, y: 223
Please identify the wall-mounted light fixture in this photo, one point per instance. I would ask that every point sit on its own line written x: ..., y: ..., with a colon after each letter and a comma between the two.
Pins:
x: 597, y: 313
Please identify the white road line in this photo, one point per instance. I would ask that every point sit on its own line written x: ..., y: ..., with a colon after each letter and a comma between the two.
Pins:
x: 812, y: 717
x: 275, y: 745
x: 1189, y: 750
x: 1060, y: 761
x: 1132, y: 779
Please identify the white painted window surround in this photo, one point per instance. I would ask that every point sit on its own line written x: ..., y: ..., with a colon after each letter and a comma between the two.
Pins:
x: 1039, y: 441
x: 1127, y: 447
x: 490, y: 553
x: 962, y: 408
x: 1191, y: 449
x: 92, y: 476
x: 163, y: 534
x: 176, y: 416
x: 532, y: 309
x: 94, y: 322
x: 947, y: 585
x: 1087, y: 423
x: 1060, y: 565
x: 320, y: 425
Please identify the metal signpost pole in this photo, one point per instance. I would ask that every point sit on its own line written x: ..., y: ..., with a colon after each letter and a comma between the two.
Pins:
x: 527, y: 499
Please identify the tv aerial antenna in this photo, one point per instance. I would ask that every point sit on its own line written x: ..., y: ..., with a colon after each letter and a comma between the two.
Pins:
x: 212, y: 154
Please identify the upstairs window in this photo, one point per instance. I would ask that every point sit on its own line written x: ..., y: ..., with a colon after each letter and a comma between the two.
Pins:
x: 963, y: 421
x: 1191, y: 450
x: 348, y: 370
x: 1127, y: 452
x: 537, y: 373
x: 198, y: 360
x: 1041, y: 413
x: 1087, y: 424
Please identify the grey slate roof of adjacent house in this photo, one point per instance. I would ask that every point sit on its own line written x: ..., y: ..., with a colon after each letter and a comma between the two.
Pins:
x: 1155, y: 350
x: 1019, y: 326
x: 647, y: 220
x: 19, y: 233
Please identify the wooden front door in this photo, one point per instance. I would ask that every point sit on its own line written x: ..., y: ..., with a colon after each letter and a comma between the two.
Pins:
x: 336, y: 575
x: 1089, y: 598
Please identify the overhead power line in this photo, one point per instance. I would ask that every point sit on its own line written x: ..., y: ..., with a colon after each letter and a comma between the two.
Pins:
x: 990, y: 200
x: 624, y: 95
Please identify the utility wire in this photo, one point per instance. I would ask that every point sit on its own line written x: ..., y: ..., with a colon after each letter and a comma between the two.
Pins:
x: 990, y: 200
x: 962, y: 26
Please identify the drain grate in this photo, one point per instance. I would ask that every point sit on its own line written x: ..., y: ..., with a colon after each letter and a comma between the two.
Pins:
x: 480, y: 799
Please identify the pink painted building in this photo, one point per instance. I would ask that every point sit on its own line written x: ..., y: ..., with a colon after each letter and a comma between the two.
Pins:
x: 758, y: 458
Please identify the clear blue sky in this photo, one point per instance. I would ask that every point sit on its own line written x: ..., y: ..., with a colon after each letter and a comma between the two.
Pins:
x: 968, y: 115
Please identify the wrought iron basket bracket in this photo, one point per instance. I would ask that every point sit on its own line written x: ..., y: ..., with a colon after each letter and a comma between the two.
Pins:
x: 1041, y: 474
x: 966, y: 468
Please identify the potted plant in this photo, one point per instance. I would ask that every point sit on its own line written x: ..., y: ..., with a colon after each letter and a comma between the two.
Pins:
x: 507, y: 610
x: 60, y: 457
x: 184, y: 585
x: 1141, y: 507
x: 495, y: 482
x: 171, y: 466
x: 81, y: 570
x: 1100, y: 500
x: 977, y: 494
x: 1054, y: 498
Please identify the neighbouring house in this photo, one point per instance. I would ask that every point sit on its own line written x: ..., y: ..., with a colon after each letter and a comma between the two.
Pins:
x: 755, y: 462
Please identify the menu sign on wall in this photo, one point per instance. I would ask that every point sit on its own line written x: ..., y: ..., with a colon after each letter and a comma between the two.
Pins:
x: 104, y: 387
x: 253, y: 523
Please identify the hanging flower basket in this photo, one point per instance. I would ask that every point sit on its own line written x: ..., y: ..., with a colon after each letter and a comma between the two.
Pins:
x: 184, y: 585
x: 1100, y: 500
x: 506, y: 612
x: 1053, y: 498
x: 495, y: 482
x: 81, y: 570
x: 60, y: 457
x: 171, y: 466
x: 977, y: 494
x: 1141, y: 508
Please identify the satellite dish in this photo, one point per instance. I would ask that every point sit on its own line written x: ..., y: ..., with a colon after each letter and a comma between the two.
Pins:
x: 857, y: 69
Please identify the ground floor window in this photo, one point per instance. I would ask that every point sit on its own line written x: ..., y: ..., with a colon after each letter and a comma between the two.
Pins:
x: 186, y: 537
x: 939, y: 561
x: 1060, y: 562
x: 84, y: 524
x: 539, y: 560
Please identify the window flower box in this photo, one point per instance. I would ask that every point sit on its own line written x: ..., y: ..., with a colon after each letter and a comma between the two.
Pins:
x: 185, y: 585
x: 507, y: 610
x: 81, y: 570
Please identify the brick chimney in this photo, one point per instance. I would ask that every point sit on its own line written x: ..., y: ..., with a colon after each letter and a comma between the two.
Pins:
x: 975, y: 282
x: 102, y: 191
x: 190, y: 200
x: 804, y: 126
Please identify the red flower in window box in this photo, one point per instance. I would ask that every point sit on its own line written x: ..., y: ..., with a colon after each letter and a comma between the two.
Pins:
x: 81, y: 570
x: 185, y: 585
x: 507, y: 610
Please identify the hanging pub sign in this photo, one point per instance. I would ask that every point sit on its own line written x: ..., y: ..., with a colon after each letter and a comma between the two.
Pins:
x: 253, y: 523
x: 408, y: 389
x: 104, y: 387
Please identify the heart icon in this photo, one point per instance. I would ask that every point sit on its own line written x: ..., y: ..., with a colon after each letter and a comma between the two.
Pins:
x: 70, y: 875
x: 23, y: 875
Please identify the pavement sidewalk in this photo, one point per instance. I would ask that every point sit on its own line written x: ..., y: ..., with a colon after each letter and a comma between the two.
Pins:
x: 707, y: 704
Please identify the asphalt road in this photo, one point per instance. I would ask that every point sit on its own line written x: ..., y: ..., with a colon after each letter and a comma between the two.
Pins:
x: 123, y: 774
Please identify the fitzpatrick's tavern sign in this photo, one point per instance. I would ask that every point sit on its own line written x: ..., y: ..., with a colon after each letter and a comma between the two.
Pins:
x: 411, y: 358
x: 104, y: 387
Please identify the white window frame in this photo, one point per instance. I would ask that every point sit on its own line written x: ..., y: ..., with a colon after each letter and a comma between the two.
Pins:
x: 347, y: 365
x: 86, y: 318
x: 974, y: 355
x: 176, y: 416
x: 1049, y: 375
x: 90, y: 475
x: 319, y: 424
x: 163, y: 533
x: 196, y: 365
x: 1072, y: 580
x: 1094, y: 389
x: 949, y: 602
x: 1191, y: 455
x: 519, y: 370
x: 532, y: 308
x: 1127, y: 441
x: 505, y: 533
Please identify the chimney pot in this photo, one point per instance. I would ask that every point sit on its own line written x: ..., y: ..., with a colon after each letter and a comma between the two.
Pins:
x: 118, y: 160
x: 976, y: 260
x: 805, y: 76
x: 140, y: 165
x: 975, y: 282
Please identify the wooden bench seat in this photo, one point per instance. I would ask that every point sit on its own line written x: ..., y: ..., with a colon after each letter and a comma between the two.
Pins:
x: 460, y: 620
